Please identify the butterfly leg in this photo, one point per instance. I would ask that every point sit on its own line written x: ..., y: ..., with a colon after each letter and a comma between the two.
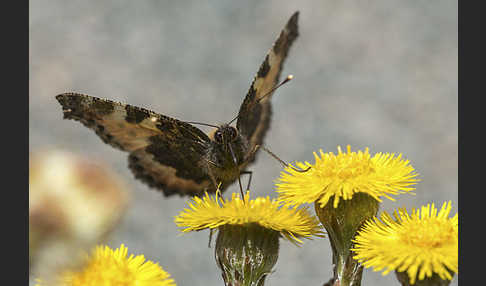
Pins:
x: 210, y: 237
x: 250, y: 173
x: 213, y: 179
x: 241, y: 188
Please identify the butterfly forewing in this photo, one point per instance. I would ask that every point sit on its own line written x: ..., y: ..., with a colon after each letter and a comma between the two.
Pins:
x: 165, y: 153
x: 254, y: 116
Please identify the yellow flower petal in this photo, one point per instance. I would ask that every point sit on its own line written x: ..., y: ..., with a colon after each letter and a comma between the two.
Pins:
x: 344, y: 174
x: 109, y: 267
x: 211, y: 212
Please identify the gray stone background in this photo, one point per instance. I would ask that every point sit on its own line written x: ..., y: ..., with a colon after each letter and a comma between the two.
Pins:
x: 378, y: 74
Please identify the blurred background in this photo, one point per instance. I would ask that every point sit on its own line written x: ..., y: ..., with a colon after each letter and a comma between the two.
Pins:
x: 378, y: 74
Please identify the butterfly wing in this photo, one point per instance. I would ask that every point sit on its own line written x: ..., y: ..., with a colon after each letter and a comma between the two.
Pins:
x: 254, y: 117
x: 165, y: 153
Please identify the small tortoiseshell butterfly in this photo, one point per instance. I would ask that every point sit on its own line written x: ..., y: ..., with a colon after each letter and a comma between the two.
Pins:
x: 173, y: 155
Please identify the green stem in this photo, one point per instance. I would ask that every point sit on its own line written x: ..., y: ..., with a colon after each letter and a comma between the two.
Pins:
x: 341, y: 224
x: 347, y: 271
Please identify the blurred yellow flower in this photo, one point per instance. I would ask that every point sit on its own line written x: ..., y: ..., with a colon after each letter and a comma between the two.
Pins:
x: 74, y: 203
x: 420, y: 244
x: 108, y: 267
x: 213, y: 212
x: 345, y: 174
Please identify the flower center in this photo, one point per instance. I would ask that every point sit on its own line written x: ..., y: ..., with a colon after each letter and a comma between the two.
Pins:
x: 428, y: 234
x: 347, y: 166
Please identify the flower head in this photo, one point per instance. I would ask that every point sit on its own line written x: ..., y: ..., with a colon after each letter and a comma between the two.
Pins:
x: 112, y: 267
x: 345, y: 174
x: 421, y: 244
x: 213, y: 212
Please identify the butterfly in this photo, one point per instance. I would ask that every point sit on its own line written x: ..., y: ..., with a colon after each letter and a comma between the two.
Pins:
x: 174, y: 156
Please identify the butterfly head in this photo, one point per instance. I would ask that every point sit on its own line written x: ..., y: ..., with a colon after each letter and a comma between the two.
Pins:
x: 229, y: 147
x: 225, y: 134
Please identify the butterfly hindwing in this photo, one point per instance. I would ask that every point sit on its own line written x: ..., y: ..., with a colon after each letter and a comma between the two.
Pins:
x: 254, y: 118
x: 164, y: 152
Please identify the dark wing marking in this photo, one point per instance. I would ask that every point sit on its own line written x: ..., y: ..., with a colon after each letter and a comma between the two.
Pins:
x: 165, y: 153
x: 254, y: 118
x: 187, y: 180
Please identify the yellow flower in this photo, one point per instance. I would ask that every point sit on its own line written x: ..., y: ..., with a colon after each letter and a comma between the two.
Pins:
x: 345, y: 174
x: 213, y: 212
x: 108, y: 267
x: 423, y: 243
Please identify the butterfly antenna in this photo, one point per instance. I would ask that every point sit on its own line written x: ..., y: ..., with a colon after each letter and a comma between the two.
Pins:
x: 200, y: 123
x: 283, y: 162
x: 287, y: 79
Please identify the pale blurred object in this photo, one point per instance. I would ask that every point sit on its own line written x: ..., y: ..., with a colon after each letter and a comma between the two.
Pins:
x: 74, y: 203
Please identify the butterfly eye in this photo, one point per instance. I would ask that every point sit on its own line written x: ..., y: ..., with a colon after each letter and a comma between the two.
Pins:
x: 233, y: 133
x: 218, y: 136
